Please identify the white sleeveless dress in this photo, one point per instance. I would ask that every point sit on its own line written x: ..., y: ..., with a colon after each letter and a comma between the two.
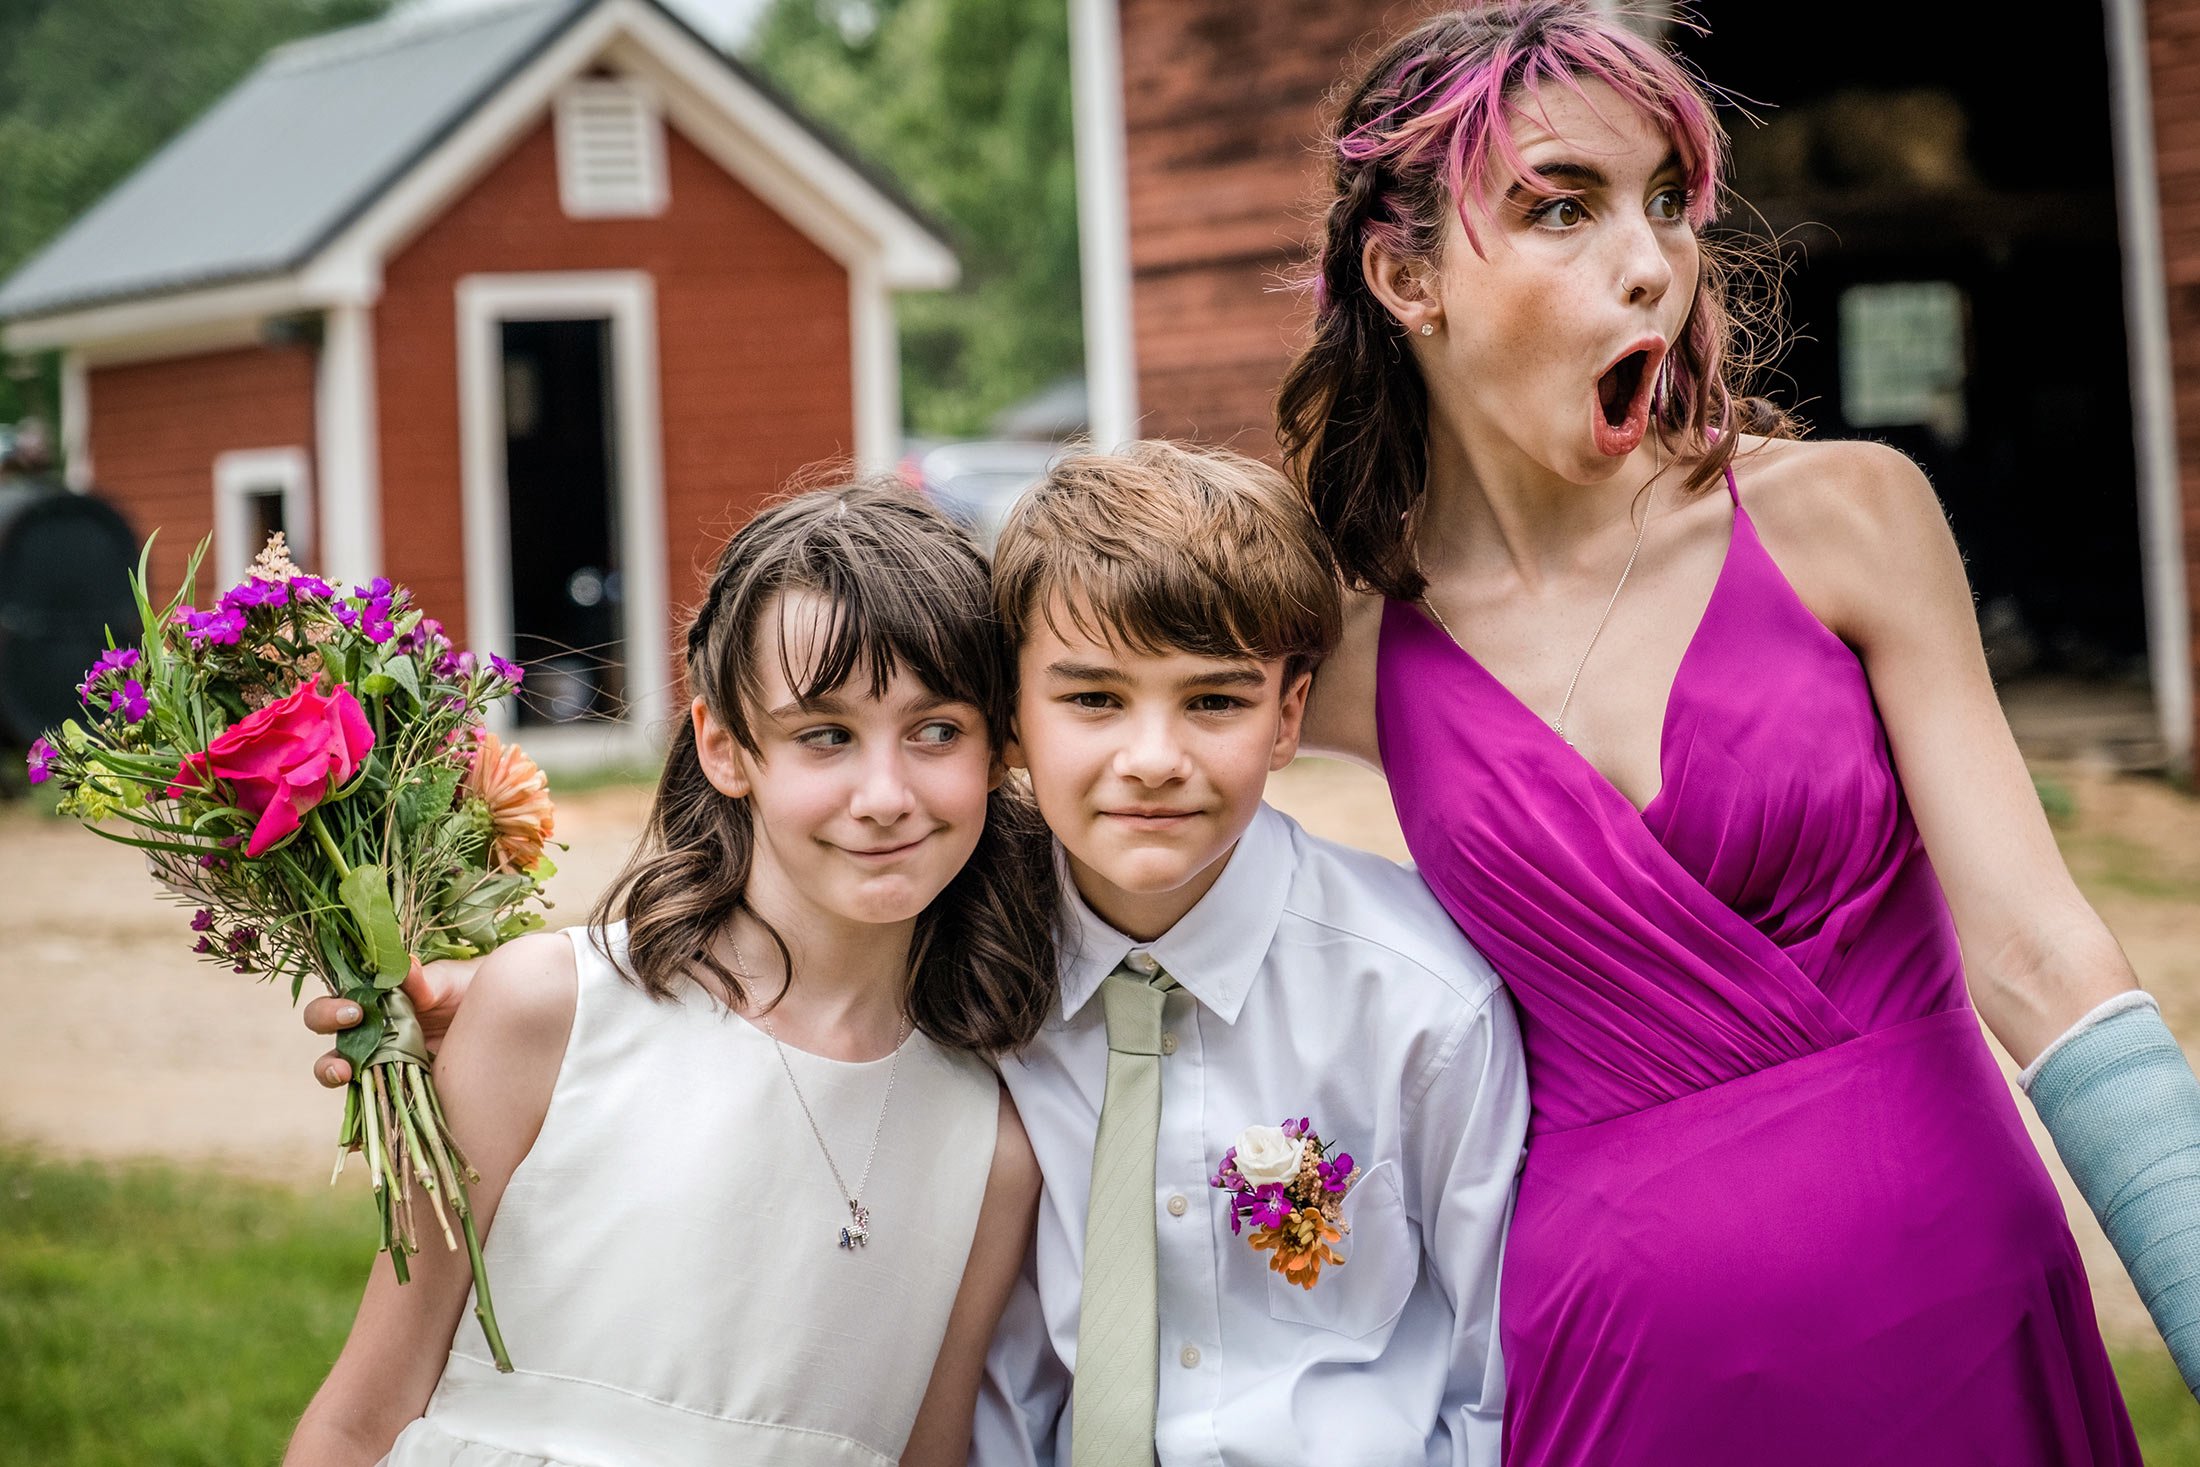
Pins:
x: 666, y: 1260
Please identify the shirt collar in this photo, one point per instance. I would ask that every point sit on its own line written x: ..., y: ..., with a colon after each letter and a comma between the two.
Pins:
x: 1214, y: 950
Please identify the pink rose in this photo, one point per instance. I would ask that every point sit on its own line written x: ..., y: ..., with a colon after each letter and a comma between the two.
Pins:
x: 284, y: 759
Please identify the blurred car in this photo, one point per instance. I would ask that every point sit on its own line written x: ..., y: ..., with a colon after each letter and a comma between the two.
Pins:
x: 978, y: 481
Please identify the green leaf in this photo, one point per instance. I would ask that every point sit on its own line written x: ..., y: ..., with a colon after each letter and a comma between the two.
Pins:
x: 363, y: 1038
x: 407, y: 674
x: 376, y: 685
x: 425, y: 797
x: 366, y: 891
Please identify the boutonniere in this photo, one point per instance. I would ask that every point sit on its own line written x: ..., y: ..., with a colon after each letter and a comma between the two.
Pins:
x: 1284, y: 1183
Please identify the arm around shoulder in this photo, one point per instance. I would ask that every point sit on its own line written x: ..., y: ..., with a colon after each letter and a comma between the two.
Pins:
x: 1340, y: 711
x: 941, y: 1436
x: 494, y: 1076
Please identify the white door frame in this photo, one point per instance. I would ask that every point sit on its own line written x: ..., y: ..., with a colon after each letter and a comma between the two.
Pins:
x: 627, y: 300
x: 2153, y: 378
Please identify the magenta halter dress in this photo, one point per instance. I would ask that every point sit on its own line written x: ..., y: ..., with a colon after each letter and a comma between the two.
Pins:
x: 1778, y: 1206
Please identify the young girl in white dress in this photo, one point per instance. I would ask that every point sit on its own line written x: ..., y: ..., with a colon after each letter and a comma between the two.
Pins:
x: 751, y: 1193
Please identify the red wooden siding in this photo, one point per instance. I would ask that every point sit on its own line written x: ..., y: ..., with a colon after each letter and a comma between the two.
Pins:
x: 2173, y: 41
x: 156, y: 428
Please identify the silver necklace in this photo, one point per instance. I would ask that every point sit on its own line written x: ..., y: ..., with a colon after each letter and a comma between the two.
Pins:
x: 1558, y: 724
x: 858, y: 1230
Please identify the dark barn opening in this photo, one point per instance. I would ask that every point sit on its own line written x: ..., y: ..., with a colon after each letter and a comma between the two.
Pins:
x: 1956, y: 289
x: 559, y: 446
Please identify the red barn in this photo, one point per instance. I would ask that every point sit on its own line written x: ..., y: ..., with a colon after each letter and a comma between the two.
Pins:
x: 523, y: 308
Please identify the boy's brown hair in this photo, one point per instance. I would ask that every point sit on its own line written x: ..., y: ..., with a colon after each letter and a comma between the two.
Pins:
x: 1162, y: 548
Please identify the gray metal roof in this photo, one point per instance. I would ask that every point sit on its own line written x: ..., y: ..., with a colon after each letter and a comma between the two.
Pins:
x: 286, y: 159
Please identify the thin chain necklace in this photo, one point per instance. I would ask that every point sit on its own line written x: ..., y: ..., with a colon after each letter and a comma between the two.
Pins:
x: 1558, y: 724
x: 858, y: 1230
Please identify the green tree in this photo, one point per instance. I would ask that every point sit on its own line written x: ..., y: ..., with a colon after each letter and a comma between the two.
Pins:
x: 91, y: 88
x: 966, y: 103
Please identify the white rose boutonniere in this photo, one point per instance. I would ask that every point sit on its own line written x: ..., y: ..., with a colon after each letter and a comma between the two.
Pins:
x: 1284, y: 1183
x: 1265, y: 1154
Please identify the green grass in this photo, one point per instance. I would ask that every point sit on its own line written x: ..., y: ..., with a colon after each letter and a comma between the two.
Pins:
x: 151, y: 1317
x: 156, y: 1318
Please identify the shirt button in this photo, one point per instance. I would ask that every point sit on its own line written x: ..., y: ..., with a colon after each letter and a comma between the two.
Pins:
x: 1177, y: 1204
x: 1142, y: 962
x: 1168, y: 1044
x: 1190, y: 1357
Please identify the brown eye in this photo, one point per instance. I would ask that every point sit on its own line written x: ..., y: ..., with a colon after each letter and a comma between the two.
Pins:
x: 1669, y: 204
x: 1561, y: 213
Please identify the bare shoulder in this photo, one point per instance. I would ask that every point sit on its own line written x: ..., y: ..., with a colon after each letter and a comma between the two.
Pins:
x: 1848, y: 521
x: 525, y: 994
x: 1340, y: 713
x: 1014, y: 1179
x: 1852, y: 490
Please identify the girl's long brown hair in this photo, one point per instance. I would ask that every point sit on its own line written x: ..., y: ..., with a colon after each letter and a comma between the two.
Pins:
x: 1413, y: 140
x: 908, y: 591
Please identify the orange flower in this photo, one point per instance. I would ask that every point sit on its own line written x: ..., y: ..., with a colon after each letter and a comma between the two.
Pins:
x: 1301, y: 1245
x: 518, y: 796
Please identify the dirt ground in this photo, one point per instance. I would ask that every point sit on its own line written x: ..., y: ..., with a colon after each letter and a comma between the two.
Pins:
x: 118, y: 1043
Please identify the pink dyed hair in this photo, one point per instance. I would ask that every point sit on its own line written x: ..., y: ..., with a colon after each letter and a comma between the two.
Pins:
x: 1458, y: 115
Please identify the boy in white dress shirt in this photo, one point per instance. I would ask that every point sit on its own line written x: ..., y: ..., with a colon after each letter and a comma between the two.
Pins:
x: 1169, y: 606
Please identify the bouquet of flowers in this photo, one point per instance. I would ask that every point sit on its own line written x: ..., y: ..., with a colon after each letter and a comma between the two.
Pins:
x: 309, y: 769
x: 1286, y: 1184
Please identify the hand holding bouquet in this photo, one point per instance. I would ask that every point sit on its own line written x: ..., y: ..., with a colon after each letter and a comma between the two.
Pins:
x: 309, y: 769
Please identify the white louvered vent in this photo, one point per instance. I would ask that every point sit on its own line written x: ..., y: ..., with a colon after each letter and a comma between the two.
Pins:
x: 611, y: 151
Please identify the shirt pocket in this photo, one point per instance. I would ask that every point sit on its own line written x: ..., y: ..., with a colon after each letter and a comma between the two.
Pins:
x: 1381, y: 1261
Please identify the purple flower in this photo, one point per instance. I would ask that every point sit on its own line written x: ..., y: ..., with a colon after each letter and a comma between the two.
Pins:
x: 1268, y: 1207
x: 203, y: 919
x: 509, y: 671
x: 1336, y: 1174
x: 458, y: 666
x: 348, y: 614
x: 256, y: 592
x: 377, y: 628
x: 114, y: 659
x: 212, y: 863
x: 375, y: 589
x: 130, y: 701
x: 223, y: 627
x: 310, y: 586
x: 203, y: 945
x: 41, y: 761
x: 426, y: 633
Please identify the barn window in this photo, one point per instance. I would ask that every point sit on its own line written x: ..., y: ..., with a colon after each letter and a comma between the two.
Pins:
x: 1904, y: 356
x: 258, y: 491
x: 611, y: 151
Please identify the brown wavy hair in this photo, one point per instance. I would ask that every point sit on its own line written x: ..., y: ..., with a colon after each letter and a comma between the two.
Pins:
x: 909, y: 592
x: 1417, y: 137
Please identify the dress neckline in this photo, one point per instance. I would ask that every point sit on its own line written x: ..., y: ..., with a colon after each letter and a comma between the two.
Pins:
x: 1508, y: 697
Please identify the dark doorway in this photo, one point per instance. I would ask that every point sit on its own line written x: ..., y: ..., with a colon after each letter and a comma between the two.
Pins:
x: 567, y: 626
x: 1956, y: 288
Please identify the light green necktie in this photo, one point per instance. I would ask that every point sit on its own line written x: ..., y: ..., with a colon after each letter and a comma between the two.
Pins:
x: 1118, y: 1336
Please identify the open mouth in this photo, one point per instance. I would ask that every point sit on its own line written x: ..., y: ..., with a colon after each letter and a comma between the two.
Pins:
x: 1623, y: 398
x: 1617, y: 387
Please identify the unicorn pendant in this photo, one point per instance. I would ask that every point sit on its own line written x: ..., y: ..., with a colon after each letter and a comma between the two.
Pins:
x: 858, y: 1232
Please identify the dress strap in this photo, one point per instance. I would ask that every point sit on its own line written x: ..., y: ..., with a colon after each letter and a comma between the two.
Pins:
x: 1733, y: 491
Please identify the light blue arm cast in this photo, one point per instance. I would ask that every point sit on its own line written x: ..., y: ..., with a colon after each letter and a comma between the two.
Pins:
x: 2122, y: 1104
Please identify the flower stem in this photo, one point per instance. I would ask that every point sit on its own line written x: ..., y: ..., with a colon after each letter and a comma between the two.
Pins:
x: 328, y: 844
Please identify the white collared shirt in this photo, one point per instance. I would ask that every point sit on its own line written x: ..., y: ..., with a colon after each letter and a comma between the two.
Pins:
x: 1322, y: 982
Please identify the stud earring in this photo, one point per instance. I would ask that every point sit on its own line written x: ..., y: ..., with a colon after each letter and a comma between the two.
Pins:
x: 1428, y: 328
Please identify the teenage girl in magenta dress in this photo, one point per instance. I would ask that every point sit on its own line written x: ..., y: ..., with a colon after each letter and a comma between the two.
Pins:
x: 1777, y: 1204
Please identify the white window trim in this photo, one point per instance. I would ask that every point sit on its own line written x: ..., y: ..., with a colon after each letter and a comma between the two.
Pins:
x: 245, y: 471
x: 573, y: 198
x: 627, y: 299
